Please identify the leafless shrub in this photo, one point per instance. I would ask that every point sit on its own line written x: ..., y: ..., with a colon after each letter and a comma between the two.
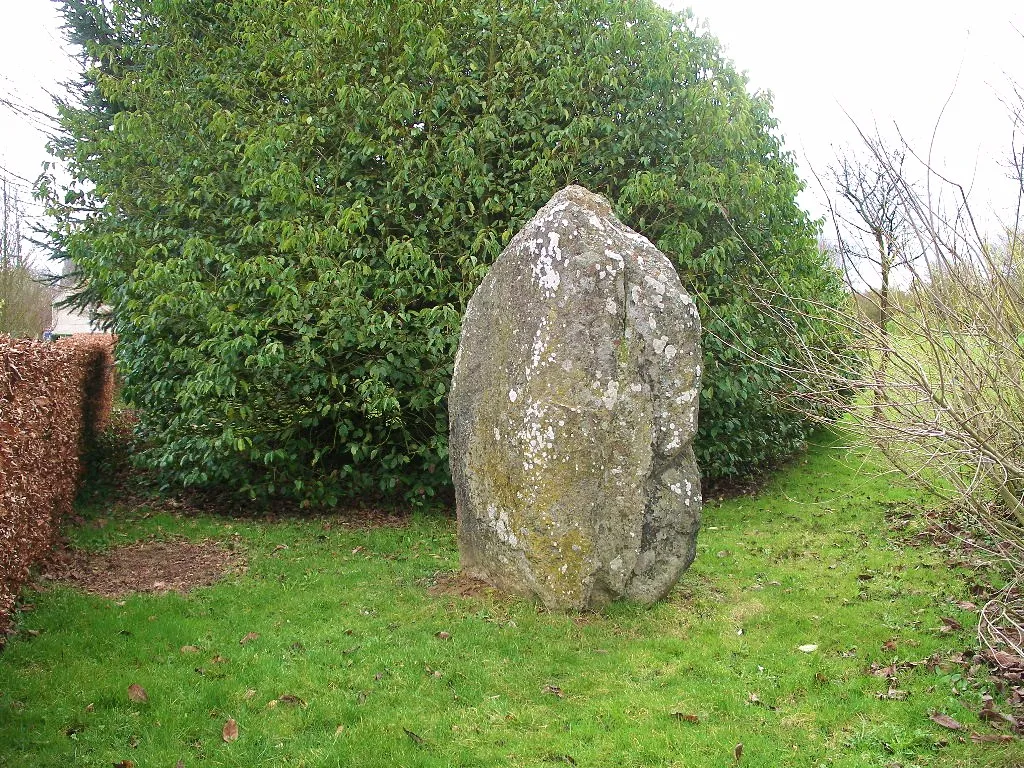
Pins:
x: 940, y: 380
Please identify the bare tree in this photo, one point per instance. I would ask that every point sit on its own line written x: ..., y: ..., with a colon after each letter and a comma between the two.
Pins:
x: 873, y: 235
x: 871, y: 227
x: 24, y: 299
x: 11, y: 249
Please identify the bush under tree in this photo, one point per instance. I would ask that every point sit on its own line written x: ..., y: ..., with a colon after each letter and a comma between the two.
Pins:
x: 287, y: 206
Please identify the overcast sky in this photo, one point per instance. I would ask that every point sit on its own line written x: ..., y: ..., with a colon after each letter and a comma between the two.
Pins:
x: 883, y: 65
x: 879, y: 63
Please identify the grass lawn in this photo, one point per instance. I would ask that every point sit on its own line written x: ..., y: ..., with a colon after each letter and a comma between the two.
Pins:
x: 358, y: 663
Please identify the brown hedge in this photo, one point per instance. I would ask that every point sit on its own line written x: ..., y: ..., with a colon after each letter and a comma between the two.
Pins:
x: 54, y: 399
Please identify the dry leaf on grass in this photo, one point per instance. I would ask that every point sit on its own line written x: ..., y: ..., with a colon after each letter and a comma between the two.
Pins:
x: 686, y: 717
x: 230, y: 731
x: 945, y: 721
x: 949, y: 624
x: 137, y: 693
x: 991, y: 738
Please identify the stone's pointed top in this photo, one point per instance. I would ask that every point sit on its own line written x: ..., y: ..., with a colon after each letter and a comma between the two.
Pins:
x: 584, y: 198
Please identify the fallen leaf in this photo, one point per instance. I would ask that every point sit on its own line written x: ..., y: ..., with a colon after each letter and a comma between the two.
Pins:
x: 737, y: 752
x: 991, y: 738
x: 686, y: 717
x: 230, y: 731
x: 443, y: 636
x: 124, y: 764
x: 418, y: 740
x: 339, y: 730
x: 190, y: 649
x: 249, y: 637
x: 90, y: 707
x: 966, y: 605
x: 554, y: 690
x: 877, y: 671
x: 218, y: 659
x: 291, y: 699
x: 249, y: 693
x: 137, y: 693
x: 809, y: 648
x: 945, y: 721
x: 1006, y: 660
x: 889, y: 645
x: 753, y: 698
x: 989, y: 712
x: 180, y: 764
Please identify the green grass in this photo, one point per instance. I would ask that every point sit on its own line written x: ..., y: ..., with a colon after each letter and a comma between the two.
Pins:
x: 347, y: 624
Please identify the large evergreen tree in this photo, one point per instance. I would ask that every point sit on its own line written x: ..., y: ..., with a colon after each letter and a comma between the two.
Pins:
x: 288, y: 205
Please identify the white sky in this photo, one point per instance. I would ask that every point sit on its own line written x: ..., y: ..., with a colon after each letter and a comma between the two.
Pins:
x: 32, y: 63
x: 880, y: 64
x: 885, y: 62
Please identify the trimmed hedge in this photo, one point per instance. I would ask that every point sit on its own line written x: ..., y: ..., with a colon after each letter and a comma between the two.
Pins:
x: 54, y: 400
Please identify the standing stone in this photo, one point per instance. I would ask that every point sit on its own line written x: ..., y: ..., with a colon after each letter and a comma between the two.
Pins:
x: 573, y: 408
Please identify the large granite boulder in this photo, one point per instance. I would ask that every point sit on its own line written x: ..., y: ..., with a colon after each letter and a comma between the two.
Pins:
x: 572, y: 411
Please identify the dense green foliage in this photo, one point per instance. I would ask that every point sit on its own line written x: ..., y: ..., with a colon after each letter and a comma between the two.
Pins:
x: 288, y: 205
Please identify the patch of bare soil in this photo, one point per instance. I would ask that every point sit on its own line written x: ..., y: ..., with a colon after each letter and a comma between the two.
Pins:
x: 176, y: 565
x: 459, y: 585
